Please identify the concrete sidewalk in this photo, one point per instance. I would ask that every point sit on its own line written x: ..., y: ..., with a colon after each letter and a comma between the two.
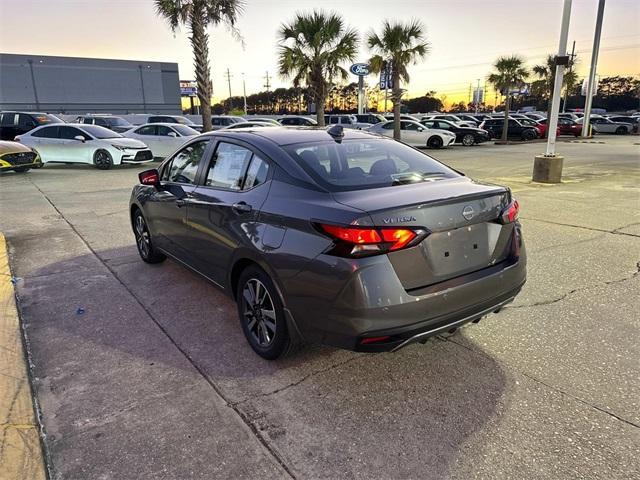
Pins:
x: 20, y: 453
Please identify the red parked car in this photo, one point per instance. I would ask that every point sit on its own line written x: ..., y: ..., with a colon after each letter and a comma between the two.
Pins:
x: 540, y: 126
x: 566, y: 126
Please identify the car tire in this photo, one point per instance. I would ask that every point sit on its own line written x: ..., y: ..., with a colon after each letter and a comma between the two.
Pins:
x: 22, y: 169
x: 528, y: 135
x: 435, y: 142
x: 102, y: 160
x: 468, y: 140
x: 147, y: 251
x: 261, y: 314
x: 621, y: 131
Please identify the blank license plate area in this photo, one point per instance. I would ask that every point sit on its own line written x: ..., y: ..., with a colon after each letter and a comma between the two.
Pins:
x: 458, y: 251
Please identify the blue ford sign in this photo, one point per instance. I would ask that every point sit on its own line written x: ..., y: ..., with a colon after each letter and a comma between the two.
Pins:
x: 360, y: 69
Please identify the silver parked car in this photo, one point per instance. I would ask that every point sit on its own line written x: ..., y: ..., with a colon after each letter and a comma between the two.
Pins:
x: 605, y: 125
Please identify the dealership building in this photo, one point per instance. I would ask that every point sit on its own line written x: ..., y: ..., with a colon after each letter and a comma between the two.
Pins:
x: 81, y: 85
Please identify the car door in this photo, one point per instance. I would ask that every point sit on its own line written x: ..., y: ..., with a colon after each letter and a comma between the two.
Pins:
x: 413, y: 134
x: 168, y: 140
x: 223, y: 213
x: 47, y: 142
x: 70, y: 149
x: 166, y: 211
x: 148, y: 135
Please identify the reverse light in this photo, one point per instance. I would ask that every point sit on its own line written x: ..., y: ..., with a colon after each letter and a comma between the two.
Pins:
x: 358, y: 242
x: 510, y: 214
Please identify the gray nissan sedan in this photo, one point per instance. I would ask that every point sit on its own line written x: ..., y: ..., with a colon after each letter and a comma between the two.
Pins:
x: 332, y: 236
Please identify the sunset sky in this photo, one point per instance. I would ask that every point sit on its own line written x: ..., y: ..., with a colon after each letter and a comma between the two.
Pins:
x: 465, y: 36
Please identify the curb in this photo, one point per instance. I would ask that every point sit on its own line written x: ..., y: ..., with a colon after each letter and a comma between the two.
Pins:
x: 20, y: 448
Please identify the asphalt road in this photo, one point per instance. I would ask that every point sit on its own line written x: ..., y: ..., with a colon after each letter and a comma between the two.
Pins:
x: 152, y: 378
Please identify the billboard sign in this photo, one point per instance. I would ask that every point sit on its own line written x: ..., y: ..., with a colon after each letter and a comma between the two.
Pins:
x: 386, y: 76
x: 188, y: 88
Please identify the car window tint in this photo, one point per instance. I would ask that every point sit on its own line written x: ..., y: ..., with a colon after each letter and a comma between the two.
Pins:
x: 388, y: 126
x: 256, y: 173
x: 146, y: 130
x: 164, y: 131
x: 184, y: 165
x: 409, y: 126
x: 444, y: 125
x: 359, y: 164
x: 69, y: 133
x: 229, y: 166
x: 47, y: 132
x: 26, y: 121
x: 8, y: 119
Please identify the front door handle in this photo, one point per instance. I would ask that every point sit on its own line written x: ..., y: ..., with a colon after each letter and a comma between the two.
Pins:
x: 241, y: 207
x: 180, y: 203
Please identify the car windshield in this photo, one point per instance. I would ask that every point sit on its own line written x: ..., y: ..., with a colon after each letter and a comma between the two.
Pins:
x: 362, y: 164
x: 100, y: 132
x: 46, y: 118
x: 118, y: 122
x: 183, y: 120
x: 184, y: 130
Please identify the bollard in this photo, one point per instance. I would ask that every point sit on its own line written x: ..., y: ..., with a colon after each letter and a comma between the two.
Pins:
x: 547, y: 169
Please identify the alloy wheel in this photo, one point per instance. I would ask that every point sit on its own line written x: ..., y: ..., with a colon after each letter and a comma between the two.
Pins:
x: 259, y: 312
x: 143, y: 239
x: 468, y: 140
x: 102, y: 159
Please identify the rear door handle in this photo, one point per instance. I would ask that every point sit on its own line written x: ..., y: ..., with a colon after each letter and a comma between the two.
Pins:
x: 241, y: 207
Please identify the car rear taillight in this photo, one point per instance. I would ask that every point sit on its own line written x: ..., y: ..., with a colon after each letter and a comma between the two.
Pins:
x: 352, y: 241
x: 510, y: 214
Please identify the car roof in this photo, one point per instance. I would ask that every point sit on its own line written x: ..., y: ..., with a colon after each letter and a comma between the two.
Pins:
x: 29, y: 113
x: 166, y: 124
x: 287, y: 135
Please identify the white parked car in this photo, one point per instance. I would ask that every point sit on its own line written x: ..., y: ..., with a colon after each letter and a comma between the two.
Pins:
x: 347, y: 121
x: 162, y: 138
x: 79, y: 143
x: 604, y: 125
x: 416, y: 134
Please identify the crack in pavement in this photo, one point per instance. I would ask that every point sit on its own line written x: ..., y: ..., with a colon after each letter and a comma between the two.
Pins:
x: 245, y: 419
x: 298, y: 382
x: 537, y: 380
x: 575, y: 290
x: 593, y: 229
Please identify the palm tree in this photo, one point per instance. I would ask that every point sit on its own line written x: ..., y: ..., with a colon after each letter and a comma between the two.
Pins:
x: 401, y: 44
x: 198, y: 15
x: 546, y: 72
x: 312, y: 49
x: 510, y: 73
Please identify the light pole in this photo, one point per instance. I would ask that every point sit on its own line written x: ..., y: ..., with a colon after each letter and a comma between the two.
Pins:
x: 592, y: 73
x: 244, y: 93
x: 547, y: 168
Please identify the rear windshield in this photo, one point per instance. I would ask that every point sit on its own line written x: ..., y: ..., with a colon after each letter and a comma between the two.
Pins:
x: 183, y: 120
x: 117, y: 122
x: 100, y: 132
x: 362, y: 164
x: 184, y: 130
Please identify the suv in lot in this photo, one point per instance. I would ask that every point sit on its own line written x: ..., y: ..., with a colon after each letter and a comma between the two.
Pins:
x: 117, y: 124
x: 13, y: 124
x: 515, y: 130
x: 371, y: 118
x: 297, y: 120
x: 347, y: 121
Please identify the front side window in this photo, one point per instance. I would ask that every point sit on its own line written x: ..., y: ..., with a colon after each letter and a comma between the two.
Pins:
x: 361, y: 164
x: 26, y: 121
x: 229, y: 167
x: 8, y: 119
x: 146, y: 130
x: 184, y: 165
x: 409, y: 126
x: 444, y: 125
x: 164, y: 131
x: 429, y: 124
x: 70, y: 133
x: 47, y: 132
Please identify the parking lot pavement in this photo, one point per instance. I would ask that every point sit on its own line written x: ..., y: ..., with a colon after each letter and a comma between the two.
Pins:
x: 153, y: 378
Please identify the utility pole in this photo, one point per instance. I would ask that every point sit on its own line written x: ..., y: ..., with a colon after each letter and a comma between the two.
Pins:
x: 547, y: 168
x: 228, y: 76
x: 484, y: 95
x: 470, y: 88
x: 592, y: 72
x: 267, y: 85
x: 477, y: 99
x: 566, y: 91
x: 244, y: 93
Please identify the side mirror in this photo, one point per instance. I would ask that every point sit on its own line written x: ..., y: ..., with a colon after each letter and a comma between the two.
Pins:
x: 80, y: 138
x: 150, y: 177
x: 421, y: 129
x: 172, y: 134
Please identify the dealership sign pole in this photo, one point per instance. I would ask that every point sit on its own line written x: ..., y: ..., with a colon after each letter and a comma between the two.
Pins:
x: 547, y: 168
x: 361, y: 70
x: 592, y: 72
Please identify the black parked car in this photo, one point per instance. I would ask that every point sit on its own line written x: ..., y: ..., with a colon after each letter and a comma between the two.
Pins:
x: 467, y: 136
x: 516, y: 129
x: 117, y: 124
x: 13, y: 124
x: 332, y: 236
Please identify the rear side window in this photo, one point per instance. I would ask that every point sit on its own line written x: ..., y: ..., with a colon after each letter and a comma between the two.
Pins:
x: 229, y: 168
x: 257, y: 173
x: 146, y: 130
x: 46, y: 132
x: 8, y: 119
x: 362, y: 164
x: 184, y: 165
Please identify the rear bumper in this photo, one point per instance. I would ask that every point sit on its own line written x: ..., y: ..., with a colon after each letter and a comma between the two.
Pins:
x: 371, y: 302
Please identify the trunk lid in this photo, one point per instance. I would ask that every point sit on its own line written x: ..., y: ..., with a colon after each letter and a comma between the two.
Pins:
x: 462, y: 216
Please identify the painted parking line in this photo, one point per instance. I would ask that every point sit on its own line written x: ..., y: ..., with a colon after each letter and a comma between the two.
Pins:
x: 20, y: 449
